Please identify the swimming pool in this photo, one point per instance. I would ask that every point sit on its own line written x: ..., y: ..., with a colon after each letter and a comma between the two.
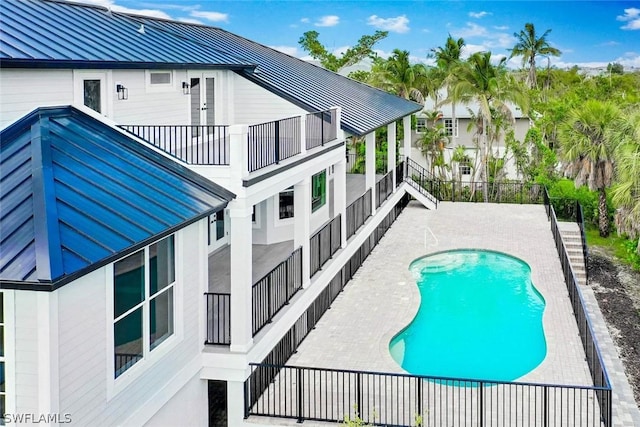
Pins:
x: 480, y: 317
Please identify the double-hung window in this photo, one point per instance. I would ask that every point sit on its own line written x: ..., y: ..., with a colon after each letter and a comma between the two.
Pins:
x: 143, y: 302
x: 450, y: 128
x: 421, y: 124
x: 318, y: 190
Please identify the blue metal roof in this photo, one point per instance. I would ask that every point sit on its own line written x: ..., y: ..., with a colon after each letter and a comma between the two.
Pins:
x: 76, y: 194
x: 60, y: 34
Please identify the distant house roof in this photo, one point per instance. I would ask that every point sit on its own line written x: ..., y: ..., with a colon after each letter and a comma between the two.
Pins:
x: 76, y: 194
x: 37, y: 33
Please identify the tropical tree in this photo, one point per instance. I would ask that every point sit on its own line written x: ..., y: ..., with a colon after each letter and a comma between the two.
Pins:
x: 588, y: 144
x: 491, y: 88
x: 529, y: 46
x: 363, y: 49
x: 448, y: 58
x: 397, y: 75
x: 433, y: 142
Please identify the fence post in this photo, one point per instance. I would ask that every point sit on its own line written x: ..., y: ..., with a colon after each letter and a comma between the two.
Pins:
x: 419, y: 396
x: 286, y: 278
x: 276, y: 135
x: 359, y: 394
x: 269, y: 302
x: 300, y: 415
x: 481, y: 405
x: 545, y: 409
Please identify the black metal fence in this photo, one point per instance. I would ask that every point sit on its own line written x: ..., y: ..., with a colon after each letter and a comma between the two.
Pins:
x: 389, y: 399
x: 276, y: 289
x: 589, y: 343
x: 384, y: 188
x: 262, y: 376
x: 320, y: 128
x: 271, y: 142
x: 218, y: 318
x: 399, y: 173
x: 358, y: 212
x: 422, y: 180
x: 497, y: 192
x: 193, y: 144
x: 324, y: 243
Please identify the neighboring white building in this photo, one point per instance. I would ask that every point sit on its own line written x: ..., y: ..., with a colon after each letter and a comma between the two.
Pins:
x: 152, y: 172
x: 462, y: 132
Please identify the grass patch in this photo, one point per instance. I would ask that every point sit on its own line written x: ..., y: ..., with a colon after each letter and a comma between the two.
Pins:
x: 617, y: 246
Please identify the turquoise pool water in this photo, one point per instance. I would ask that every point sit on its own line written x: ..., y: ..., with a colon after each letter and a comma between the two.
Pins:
x: 480, y: 317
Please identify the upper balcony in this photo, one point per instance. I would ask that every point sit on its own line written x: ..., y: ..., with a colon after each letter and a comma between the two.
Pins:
x: 217, y: 150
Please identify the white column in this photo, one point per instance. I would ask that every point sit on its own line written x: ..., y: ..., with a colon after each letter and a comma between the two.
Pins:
x: 241, y: 270
x: 370, y: 167
x: 302, y: 225
x: 340, y: 196
x: 391, y: 151
x: 238, y: 152
x: 406, y: 123
x: 235, y: 403
x: 339, y: 131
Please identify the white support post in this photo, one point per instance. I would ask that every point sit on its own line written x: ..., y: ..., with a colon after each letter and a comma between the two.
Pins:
x: 370, y: 167
x: 391, y: 151
x: 302, y: 225
x: 340, y: 197
x: 238, y: 152
x: 303, y: 134
x: 406, y: 124
x: 241, y: 271
x: 339, y: 131
x: 235, y: 403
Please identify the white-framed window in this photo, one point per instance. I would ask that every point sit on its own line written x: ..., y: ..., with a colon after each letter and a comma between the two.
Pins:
x: 159, y: 80
x: 285, y: 203
x: 143, y: 303
x: 3, y: 370
x: 421, y: 124
x: 318, y: 190
x: 450, y: 128
x: 465, y: 167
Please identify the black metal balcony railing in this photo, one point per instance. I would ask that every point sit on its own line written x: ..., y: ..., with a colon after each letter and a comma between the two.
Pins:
x: 589, y: 343
x: 384, y: 188
x: 321, y: 127
x: 422, y: 180
x: 271, y: 142
x: 276, y: 289
x: 376, y: 398
x: 399, y: 173
x: 497, y: 192
x: 324, y: 243
x: 358, y: 212
x: 218, y: 318
x: 193, y: 144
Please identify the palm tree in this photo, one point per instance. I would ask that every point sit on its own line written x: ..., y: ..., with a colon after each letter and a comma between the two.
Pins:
x: 433, y: 143
x: 588, y: 144
x: 491, y: 88
x: 448, y: 59
x: 397, y: 75
x: 529, y: 46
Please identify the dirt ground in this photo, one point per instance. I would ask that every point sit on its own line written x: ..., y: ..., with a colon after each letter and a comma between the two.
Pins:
x: 617, y: 289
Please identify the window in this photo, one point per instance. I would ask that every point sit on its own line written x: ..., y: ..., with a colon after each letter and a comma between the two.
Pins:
x: 286, y: 203
x: 421, y: 124
x: 465, y: 167
x: 219, y: 224
x: 318, y: 190
x: 3, y: 389
x: 449, y: 128
x: 163, y: 78
x: 143, y: 302
x: 91, y: 95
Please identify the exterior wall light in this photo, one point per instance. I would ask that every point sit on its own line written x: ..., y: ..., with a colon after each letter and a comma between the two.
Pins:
x: 123, y: 92
x: 185, y: 88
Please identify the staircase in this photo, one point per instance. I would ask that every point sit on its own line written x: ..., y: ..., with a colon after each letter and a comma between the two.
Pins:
x: 570, y: 232
x: 418, y: 180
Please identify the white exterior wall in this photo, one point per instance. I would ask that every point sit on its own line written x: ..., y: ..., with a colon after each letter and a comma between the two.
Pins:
x: 24, y: 90
x: 189, y: 407
x: 81, y: 347
x: 253, y: 104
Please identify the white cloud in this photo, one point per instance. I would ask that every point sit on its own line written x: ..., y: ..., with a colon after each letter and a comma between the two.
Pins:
x: 501, y: 27
x: 471, y: 30
x: 305, y: 20
x: 399, y: 24
x: 190, y: 21
x: 289, y: 50
x: 327, y: 21
x: 211, y: 16
x: 631, y: 17
x: 479, y: 15
x: 469, y: 49
x: 609, y: 43
x: 340, y: 50
x: 146, y: 12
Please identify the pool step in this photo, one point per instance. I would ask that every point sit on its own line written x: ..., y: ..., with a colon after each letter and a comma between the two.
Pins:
x: 572, y: 239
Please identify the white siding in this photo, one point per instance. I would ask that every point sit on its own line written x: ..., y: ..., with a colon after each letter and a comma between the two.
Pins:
x: 253, y: 104
x: 86, y: 362
x: 26, y: 351
x: 24, y: 90
x: 189, y: 407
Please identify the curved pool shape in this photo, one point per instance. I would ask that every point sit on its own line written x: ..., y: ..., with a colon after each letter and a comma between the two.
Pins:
x: 480, y: 318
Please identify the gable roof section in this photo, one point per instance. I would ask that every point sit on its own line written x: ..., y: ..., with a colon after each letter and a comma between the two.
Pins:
x: 60, y: 34
x: 76, y: 194
x: 313, y: 88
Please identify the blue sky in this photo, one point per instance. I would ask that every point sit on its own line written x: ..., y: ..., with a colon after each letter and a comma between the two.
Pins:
x: 589, y: 33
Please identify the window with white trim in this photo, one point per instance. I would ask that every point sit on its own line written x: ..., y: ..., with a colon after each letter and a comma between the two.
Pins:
x: 143, y: 302
x: 421, y: 124
x: 3, y: 389
x: 160, y: 78
x: 449, y: 128
x: 465, y: 167
x: 318, y: 190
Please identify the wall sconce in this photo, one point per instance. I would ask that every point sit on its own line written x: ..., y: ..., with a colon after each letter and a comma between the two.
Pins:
x: 185, y: 88
x: 123, y: 92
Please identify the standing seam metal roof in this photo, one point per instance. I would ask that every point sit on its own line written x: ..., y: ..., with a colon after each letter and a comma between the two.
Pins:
x: 76, y: 194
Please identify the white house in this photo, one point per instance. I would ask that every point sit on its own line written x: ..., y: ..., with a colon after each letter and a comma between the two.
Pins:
x: 175, y: 207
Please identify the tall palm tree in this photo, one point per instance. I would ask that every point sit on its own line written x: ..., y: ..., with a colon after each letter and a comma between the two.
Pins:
x: 587, y: 142
x: 529, y: 46
x: 491, y: 88
x: 397, y: 75
x: 448, y: 59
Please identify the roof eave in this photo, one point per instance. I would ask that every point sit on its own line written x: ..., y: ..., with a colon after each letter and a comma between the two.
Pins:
x: 85, y: 64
